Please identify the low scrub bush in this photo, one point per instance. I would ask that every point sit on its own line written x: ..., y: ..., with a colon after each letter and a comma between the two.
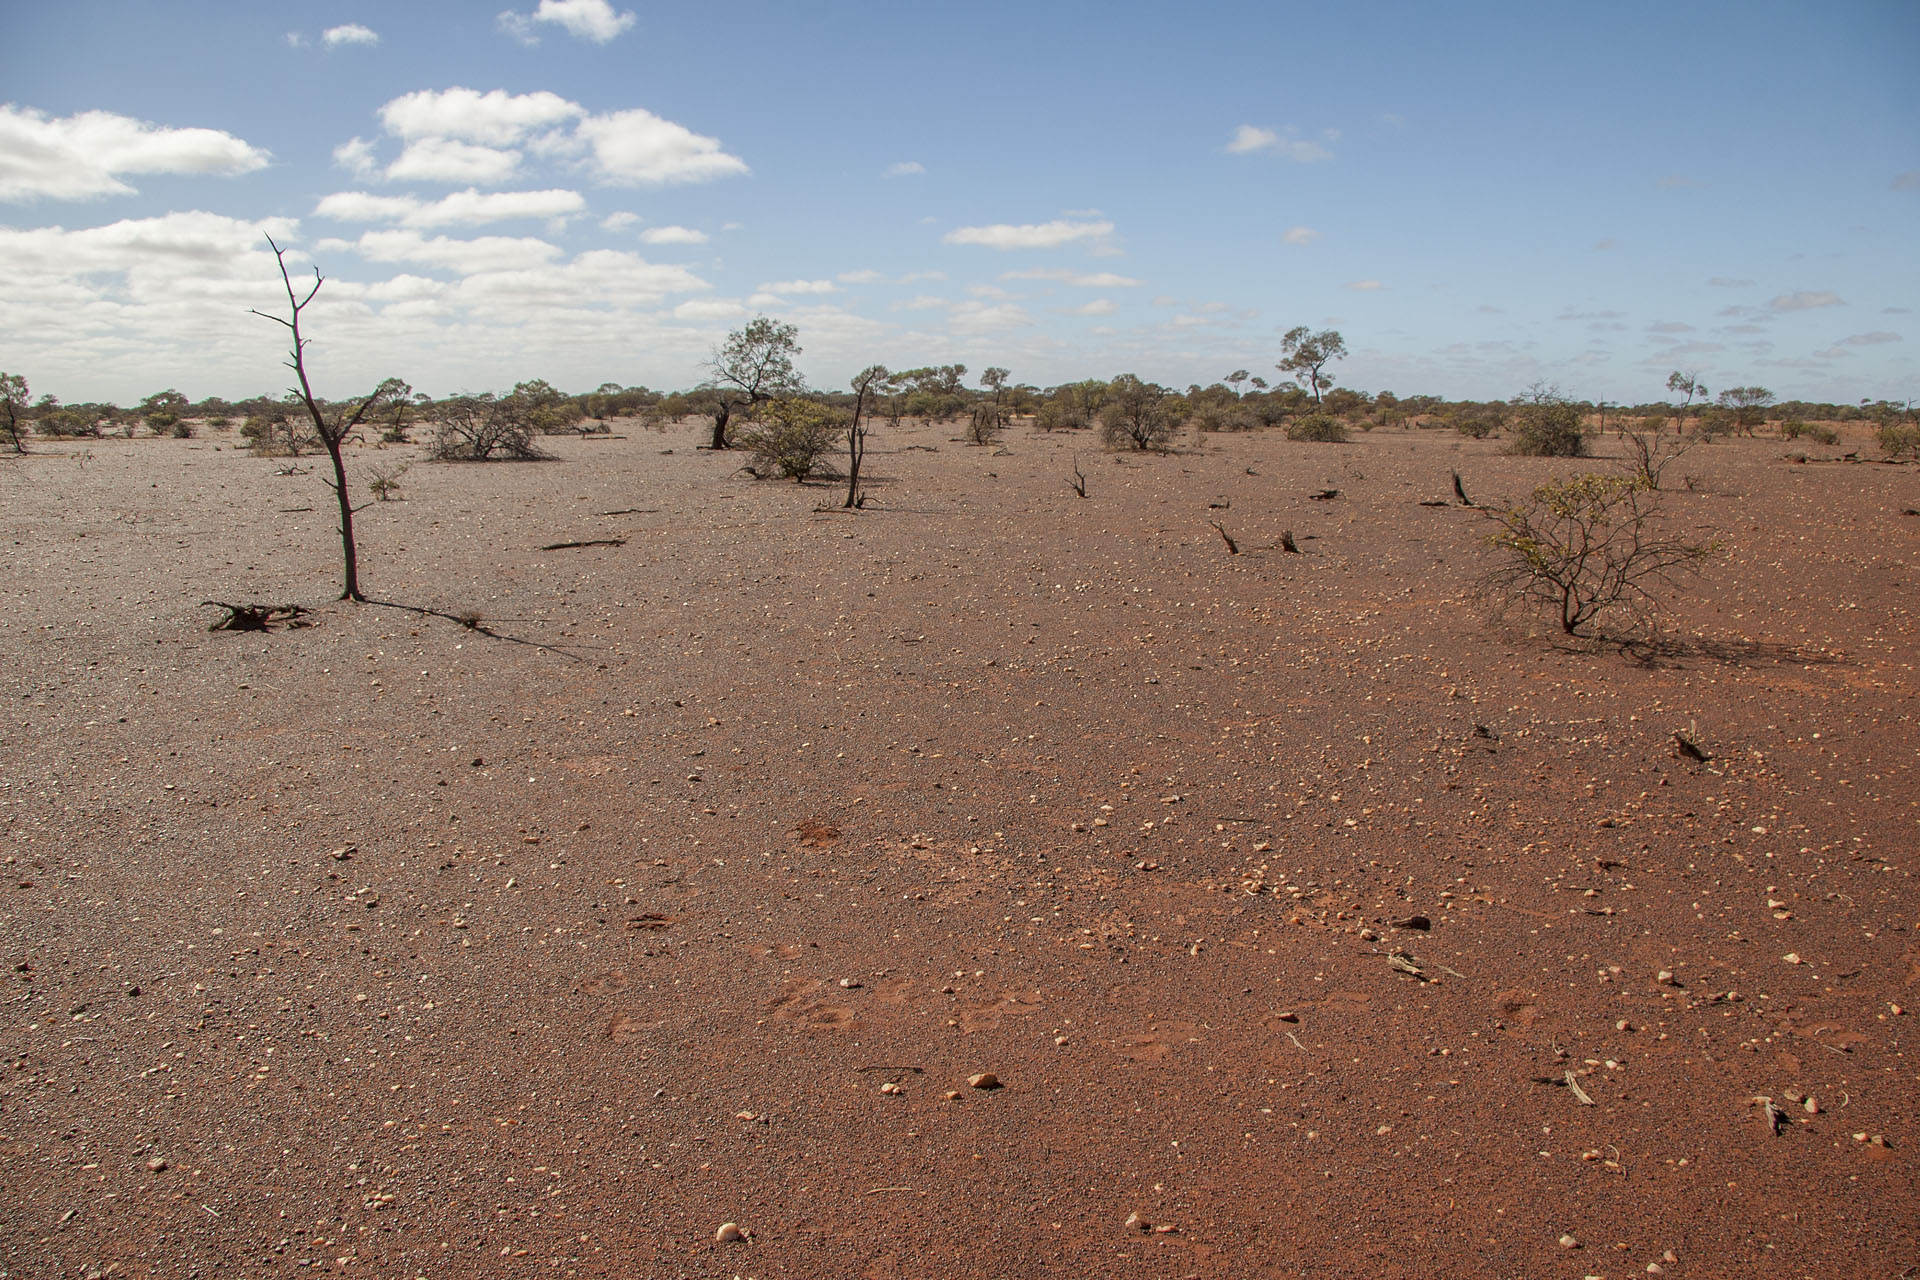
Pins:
x: 1322, y: 428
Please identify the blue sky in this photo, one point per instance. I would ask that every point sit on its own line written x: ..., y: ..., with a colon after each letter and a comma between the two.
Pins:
x: 1477, y: 195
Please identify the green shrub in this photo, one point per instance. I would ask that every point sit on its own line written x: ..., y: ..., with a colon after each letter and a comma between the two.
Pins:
x: 1796, y: 430
x: 1547, y: 425
x: 1898, y: 439
x: 1323, y: 428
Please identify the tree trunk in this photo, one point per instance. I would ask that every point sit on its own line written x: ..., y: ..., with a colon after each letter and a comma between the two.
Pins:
x: 720, y: 417
x: 349, y: 555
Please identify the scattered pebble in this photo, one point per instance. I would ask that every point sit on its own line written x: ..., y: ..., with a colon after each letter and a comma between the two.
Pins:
x: 1664, y: 978
x: 983, y: 1080
x: 890, y: 1087
x: 850, y: 983
x: 1568, y: 1242
x: 157, y: 1164
x: 729, y: 1233
x: 1137, y: 1223
x: 1792, y: 957
x: 1287, y: 1017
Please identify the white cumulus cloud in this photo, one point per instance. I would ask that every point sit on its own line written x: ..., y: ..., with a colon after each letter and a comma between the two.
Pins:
x: 466, y: 257
x: 905, y: 168
x: 349, y: 33
x: 462, y: 208
x: 801, y: 286
x: 635, y: 146
x: 673, y: 235
x: 450, y: 160
x: 1300, y: 235
x: 1365, y: 286
x: 496, y: 118
x: 1098, y: 307
x: 1248, y: 139
x: 593, y: 20
x: 82, y: 156
x: 1045, y: 235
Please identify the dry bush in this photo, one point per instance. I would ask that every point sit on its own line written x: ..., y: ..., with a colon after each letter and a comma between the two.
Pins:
x: 1547, y: 425
x: 792, y: 435
x: 1137, y: 414
x: 482, y: 428
x: 1322, y: 428
x: 1583, y: 548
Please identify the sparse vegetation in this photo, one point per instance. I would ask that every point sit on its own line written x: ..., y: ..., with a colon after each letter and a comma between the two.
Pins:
x: 1322, y: 428
x: 1584, y: 548
x: 1137, y: 414
x: 791, y: 436
x: 1546, y: 424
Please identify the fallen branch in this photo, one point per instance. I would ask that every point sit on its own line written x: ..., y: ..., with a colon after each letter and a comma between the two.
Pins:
x: 1287, y: 543
x: 590, y: 542
x: 1233, y: 548
x: 255, y: 617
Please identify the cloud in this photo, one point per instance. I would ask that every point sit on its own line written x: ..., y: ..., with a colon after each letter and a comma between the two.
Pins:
x: 449, y: 160
x: 296, y: 40
x: 1045, y: 235
x: 673, y: 235
x: 1300, y: 235
x: 1098, y: 307
x: 913, y: 276
x: 801, y: 286
x: 355, y: 155
x: 984, y: 317
x: 462, y: 208
x: 496, y: 118
x: 592, y: 20
x: 80, y: 157
x: 635, y: 146
x: 1670, y: 326
x: 923, y: 302
x: 1083, y: 279
x: 360, y: 206
x: 860, y: 277
x: 1729, y: 282
x: 1806, y: 301
x: 904, y: 168
x: 1908, y: 181
x: 1877, y: 338
x: 466, y: 257
x: 1248, y: 139
x: 1188, y: 322
x: 619, y: 221
x: 351, y: 33
x: 463, y: 135
x: 1365, y: 286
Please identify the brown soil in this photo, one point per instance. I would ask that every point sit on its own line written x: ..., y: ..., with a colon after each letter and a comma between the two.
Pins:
x: 693, y: 884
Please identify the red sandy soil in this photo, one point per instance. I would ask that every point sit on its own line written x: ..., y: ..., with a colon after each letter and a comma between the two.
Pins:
x: 393, y: 947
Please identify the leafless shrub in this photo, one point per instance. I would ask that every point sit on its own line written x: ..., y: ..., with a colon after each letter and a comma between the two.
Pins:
x: 1582, y: 548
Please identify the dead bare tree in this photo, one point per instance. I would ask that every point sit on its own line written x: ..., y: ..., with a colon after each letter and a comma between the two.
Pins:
x: 864, y: 385
x: 333, y: 434
x: 1079, y: 481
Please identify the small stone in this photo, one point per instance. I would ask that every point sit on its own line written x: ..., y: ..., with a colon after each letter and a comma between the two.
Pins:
x: 1059, y: 1041
x: 951, y: 1094
x: 890, y: 1087
x: 729, y: 1233
x: 157, y: 1164
x: 1664, y: 978
x: 1568, y: 1242
x: 983, y: 1080
x: 1812, y: 1106
x: 850, y: 983
x: 1287, y: 1017
x: 1655, y: 1269
x: 1137, y: 1223
x: 1623, y: 1025
x: 1792, y: 957
x: 1669, y: 1257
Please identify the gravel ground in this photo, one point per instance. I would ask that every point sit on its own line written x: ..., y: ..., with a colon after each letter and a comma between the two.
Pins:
x: 1311, y: 923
